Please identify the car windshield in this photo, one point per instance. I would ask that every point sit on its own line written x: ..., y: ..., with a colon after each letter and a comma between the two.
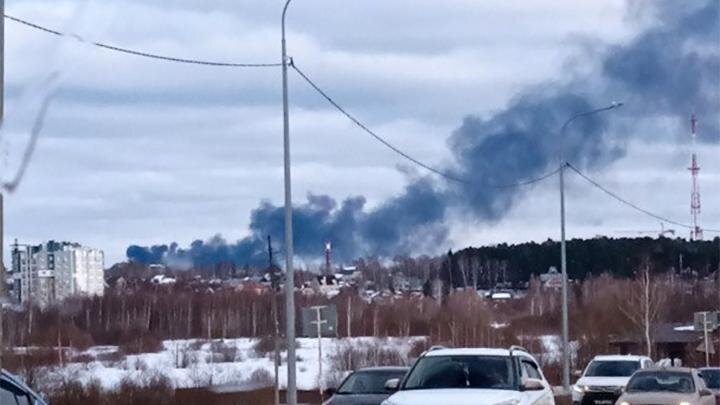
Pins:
x: 436, y: 372
x: 661, y: 381
x: 712, y: 378
x: 605, y: 368
x: 368, y: 382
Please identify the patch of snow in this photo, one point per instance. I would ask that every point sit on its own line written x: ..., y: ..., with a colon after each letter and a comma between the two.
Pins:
x: 200, y: 369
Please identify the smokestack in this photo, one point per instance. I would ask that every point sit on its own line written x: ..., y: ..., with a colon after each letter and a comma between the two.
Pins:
x: 328, y: 252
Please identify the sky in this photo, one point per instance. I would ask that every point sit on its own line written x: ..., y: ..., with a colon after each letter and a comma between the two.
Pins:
x: 139, y: 151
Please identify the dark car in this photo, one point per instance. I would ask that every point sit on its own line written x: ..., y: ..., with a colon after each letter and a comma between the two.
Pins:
x: 366, y: 386
x: 711, y: 375
x: 14, y: 392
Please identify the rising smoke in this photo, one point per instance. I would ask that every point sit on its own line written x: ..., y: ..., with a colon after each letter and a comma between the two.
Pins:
x: 670, y: 69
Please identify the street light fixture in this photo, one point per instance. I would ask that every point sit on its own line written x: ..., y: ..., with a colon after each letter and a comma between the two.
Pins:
x: 563, y: 257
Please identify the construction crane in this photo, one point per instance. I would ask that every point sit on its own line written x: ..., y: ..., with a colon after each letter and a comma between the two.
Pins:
x: 661, y: 232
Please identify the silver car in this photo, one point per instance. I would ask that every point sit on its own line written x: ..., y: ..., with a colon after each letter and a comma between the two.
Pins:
x: 667, y: 386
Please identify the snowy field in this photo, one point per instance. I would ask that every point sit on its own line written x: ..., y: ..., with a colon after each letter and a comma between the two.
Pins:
x: 189, y: 363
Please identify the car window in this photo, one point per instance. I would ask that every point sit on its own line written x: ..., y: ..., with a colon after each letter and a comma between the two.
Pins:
x: 661, y: 381
x: 368, y: 382
x: 712, y: 378
x: 606, y: 368
x: 530, y: 370
x: 436, y: 372
x: 12, y: 395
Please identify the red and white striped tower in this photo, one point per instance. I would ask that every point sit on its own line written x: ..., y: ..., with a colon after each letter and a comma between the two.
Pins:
x: 696, y: 233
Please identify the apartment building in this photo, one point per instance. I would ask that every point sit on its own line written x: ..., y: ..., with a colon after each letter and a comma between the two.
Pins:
x: 53, y: 271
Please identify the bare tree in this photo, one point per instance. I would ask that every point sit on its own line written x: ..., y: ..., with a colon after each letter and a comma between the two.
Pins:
x: 641, y: 303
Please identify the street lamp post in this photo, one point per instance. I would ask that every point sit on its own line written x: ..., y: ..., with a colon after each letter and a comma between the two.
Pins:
x: 563, y: 249
x: 291, y: 395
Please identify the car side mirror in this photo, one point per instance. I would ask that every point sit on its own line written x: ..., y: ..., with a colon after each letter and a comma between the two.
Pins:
x: 329, y: 392
x: 532, y: 384
x: 705, y: 392
x: 577, y: 373
x: 392, y: 384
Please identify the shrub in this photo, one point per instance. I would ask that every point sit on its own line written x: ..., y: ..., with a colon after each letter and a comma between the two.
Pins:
x: 265, y: 346
x: 261, y: 377
x: 141, y: 343
x: 418, y: 347
x: 223, y: 353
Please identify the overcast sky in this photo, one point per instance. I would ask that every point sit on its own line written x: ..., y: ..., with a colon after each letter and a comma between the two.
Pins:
x: 142, y: 151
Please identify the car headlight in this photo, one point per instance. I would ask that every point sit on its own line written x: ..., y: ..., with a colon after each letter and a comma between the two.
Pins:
x: 624, y: 403
x: 580, y: 388
x: 684, y: 403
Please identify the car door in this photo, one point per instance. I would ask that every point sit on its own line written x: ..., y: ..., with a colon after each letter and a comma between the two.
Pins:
x: 530, y: 369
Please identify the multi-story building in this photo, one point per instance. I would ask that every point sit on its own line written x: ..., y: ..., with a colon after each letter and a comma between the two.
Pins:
x: 53, y: 271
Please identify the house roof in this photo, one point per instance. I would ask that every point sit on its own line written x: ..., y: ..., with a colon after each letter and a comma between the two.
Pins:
x: 661, y: 333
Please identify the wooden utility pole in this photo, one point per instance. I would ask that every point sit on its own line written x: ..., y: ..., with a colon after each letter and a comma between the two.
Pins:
x: 276, y: 327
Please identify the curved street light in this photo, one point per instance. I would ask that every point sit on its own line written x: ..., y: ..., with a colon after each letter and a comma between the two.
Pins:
x: 563, y: 250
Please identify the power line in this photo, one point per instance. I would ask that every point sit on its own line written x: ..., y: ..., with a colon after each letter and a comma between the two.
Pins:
x: 139, y: 53
x: 405, y: 155
x: 37, y: 128
x: 626, y: 202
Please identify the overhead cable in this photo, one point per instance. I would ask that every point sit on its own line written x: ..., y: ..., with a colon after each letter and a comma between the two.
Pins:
x: 625, y: 201
x: 137, y: 52
x: 386, y: 143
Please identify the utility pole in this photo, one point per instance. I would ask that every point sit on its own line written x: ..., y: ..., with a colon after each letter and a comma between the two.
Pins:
x: 706, y: 339
x: 276, y: 332
x: 289, y: 271
x: 563, y: 249
x: 319, y: 322
x: 3, y: 274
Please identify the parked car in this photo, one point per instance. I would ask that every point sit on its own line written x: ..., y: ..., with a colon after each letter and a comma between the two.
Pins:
x: 14, y: 392
x: 365, y: 386
x: 605, y: 376
x: 711, y: 375
x: 473, y: 376
x: 667, y: 386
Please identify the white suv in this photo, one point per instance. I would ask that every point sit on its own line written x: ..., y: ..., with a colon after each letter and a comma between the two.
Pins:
x: 473, y: 376
x: 604, y: 376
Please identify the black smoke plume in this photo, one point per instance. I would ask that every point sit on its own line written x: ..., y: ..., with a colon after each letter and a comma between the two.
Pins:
x: 670, y: 69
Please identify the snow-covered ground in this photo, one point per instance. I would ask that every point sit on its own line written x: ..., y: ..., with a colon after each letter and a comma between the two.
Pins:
x: 188, y: 363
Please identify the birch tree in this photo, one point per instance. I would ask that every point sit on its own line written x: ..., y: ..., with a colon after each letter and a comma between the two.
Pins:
x: 641, y: 303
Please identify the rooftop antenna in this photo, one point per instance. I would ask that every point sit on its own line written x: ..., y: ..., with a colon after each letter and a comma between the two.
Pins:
x: 696, y: 233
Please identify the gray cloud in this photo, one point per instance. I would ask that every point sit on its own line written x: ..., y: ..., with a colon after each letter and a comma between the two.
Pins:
x: 150, y: 152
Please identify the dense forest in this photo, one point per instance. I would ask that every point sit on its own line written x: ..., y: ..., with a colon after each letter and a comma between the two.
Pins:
x: 619, y: 257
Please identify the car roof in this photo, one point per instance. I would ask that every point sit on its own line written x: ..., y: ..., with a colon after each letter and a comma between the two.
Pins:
x: 619, y: 357
x: 668, y: 369
x: 383, y: 368
x: 480, y: 351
